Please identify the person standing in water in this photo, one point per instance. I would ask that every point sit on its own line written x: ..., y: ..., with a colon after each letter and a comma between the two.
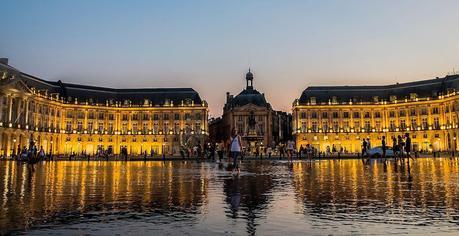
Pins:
x: 383, y: 147
x: 235, y: 149
x: 290, y: 149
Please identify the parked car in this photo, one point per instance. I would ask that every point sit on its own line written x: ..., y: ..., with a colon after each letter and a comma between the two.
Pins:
x: 376, y: 152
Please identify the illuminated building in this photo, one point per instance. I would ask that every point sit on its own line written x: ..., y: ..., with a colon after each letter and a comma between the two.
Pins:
x: 68, y: 118
x: 343, y: 115
x: 253, y: 118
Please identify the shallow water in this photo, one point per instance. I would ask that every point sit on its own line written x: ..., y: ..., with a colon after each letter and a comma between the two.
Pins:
x: 338, y: 197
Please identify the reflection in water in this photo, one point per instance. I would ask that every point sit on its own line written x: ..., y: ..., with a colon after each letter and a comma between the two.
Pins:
x: 421, y: 193
x: 249, y: 194
x: 322, y: 197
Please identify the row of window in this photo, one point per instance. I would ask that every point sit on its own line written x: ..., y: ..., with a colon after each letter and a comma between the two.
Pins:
x: 367, y: 114
x: 367, y: 126
x: 135, y: 116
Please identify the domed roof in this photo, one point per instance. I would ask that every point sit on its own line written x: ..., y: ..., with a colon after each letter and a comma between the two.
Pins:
x: 248, y: 96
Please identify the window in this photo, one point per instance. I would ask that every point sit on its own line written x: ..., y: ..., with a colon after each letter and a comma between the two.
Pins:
x: 124, y: 128
x: 111, y: 117
x: 412, y: 111
x: 435, y: 110
x: 80, y: 126
x: 436, y: 123
x: 335, y: 114
x: 166, y: 127
x: 356, y: 115
x: 90, y: 126
x: 377, y: 114
x: 425, y: 125
x: 335, y: 126
x: 414, y: 123
x: 145, y: 116
x: 187, y: 116
x: 101, y: 127
x: 145, y: 127
x: 176, y: 128
x: 135, y: 117
x: 367, y: 126
x: 166, y: 117
x: 424, y: 111
x: 401, y: 113
x: 91, y: 115
x: 303, y: 115
x: 324, y: 115
x: 101, y: 116
x: 176, y: 116
x: 261, y: 130
x: 367, y: 114
x: 346, y: 126
x: 134, y: 128
x: 392, y: 125
x: 240, y: 128
x: 391, y: 114
x: 378, y: 125
x: 314, y: 115
x: 110, y: 127
x: 403, y: 124
x: 346, y: 114
x: 155, y: 128
x: 314, y: 126
x: 68, y: 126
x: 125, y: 117
x: 303, y: 126
x: 198, y: 116
x: 325, y: 126
x: 155, y: 117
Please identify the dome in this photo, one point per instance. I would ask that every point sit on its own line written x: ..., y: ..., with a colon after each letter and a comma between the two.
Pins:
x: 249, y: 96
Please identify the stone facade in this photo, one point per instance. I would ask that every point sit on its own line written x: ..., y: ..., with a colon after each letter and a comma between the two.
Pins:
x: 342, y: 116
x: 68, y: 118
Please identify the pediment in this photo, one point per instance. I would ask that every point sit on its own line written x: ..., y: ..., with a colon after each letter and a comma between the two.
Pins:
x: 15, y: 85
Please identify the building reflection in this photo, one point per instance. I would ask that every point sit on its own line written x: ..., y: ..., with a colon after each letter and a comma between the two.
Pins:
x: 350, y: 190
x: 249, y: 196
x: 70, y: 190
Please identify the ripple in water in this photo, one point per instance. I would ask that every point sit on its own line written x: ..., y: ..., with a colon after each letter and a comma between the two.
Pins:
x: 267, y: 198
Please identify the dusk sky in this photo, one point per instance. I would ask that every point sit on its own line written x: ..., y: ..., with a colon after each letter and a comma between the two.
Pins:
x: 209, y: 45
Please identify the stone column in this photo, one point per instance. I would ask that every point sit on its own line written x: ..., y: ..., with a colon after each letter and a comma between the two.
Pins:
x: 26, y: 112
x: 10, y: 108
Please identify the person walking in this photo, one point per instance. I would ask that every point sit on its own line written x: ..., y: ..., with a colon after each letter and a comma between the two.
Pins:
x: 235, y: 149
x: 408, y: 145
x: 290, y: 149
x: 220, y: 148
x: 394, y: 147
x: 300, y: 151
x: 269, y: 151
x: 309, y: 151
x: 401, y: 146
x: 364, y: 147
x: 383, y: 147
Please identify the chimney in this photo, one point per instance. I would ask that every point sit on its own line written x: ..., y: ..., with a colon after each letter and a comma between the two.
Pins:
x: 4, y: 61
x: 227, y: 96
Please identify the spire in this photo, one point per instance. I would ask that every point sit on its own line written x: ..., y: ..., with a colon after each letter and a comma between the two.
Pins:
x: 249, y: 80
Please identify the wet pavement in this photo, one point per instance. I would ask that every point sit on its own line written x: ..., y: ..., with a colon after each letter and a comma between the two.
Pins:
x: 338, y: 197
